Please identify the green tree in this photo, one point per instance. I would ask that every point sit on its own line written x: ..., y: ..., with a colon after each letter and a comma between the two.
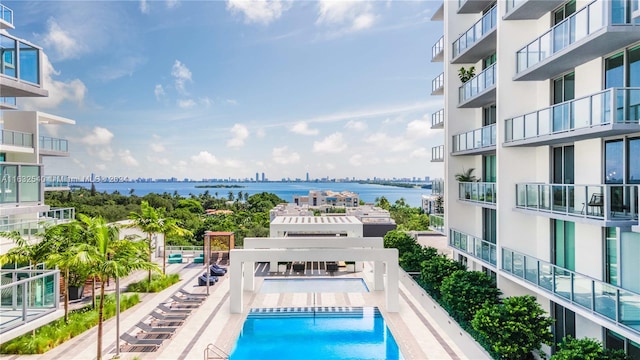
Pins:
x: 436, y: 269
x: 149, y: 221
x: 515, y: 328
x: 169, y: 227
x: 401, y: 241
x: 412, y: 260
x: 465, y: 292
x: 586, y: 349
x: 109, y: 258
x: 382, y: 203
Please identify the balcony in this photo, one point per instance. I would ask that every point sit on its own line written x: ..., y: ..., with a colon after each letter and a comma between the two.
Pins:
x: 436, y: 223
x: 437, y: 85
x: 16, y: 141
x: 480, y: 90
x: 437, y: 153
x: 30, y: 296
x: 437, y: 186
x: 614, y: 205
x: 478, y: 42
x: 437, y: 50
x: 611, y: 304
x: 475, y: 247
x: 53, y: 146
x: 26, y: 228
x: 439, y: 14
x: 20, y: 68
x: 20, y: 183
x: 56, y: 182
x: 478, y: 193
x: 610, y: 112
x: 473, y: 6
x: 6, y: 17
x: 592, y: 32
x: 529, y: 9
x: 437, y: 119
x: 476, y: 142
x: 8, y: 103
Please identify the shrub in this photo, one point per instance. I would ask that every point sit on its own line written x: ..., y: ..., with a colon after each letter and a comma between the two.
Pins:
x: 434, y: 270
x: 412, y: 260
x: 401, y: 241
x: 157, y: 284
x: 586, y: 349
x: 465, y: 292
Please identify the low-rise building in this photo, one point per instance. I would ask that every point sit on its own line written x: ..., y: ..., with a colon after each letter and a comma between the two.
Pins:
x: 327, y: 197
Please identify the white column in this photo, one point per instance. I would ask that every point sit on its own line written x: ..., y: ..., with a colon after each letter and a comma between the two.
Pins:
x: 378, y: 275
x: 393, y: 295
x: 235, y: 286
x: 249, y: 270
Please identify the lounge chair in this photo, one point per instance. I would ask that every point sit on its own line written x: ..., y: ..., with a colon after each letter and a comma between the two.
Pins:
x: 216, y: 266
x: 193, y: 295
x: 216, y: 271
x: 169, y: 310
x: 202, y: 280
x: 186, y: 299
x: 199, y: 259
x: 132, y: 340
x: 169, y: 317
x: 156, y: 329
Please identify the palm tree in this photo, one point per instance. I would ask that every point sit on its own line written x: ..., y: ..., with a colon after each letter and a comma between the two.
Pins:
x: 109, y: 258
x: 149, y: 221
x: 466, y: 176
x: 170, y: 227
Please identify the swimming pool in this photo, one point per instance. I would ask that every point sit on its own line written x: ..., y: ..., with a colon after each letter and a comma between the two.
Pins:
x: 315, y: 333
x: 313, y: 285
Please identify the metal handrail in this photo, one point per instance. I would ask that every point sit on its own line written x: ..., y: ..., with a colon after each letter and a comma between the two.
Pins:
x: 216, y: 351
x: 476, y: 32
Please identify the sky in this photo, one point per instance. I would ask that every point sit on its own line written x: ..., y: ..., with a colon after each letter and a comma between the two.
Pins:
x: 225, y: 89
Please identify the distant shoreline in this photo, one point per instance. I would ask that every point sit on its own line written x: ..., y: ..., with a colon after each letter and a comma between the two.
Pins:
x: 219, y: 186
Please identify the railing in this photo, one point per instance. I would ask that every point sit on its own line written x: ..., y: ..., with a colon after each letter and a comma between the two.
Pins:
x: 476, y: 139
x: 20, y: 183
x: 20, y: 60
x: 615, y: 202
x: 609, y: 301
x: 579, y: 25
x: 476, y: 32
x: 6, y: 14
x: 183, y: 249
x: 614, y: 105
x: 437, y: 153
x: 436, y: 222
x: 437, y: 48
x: 477, y: 84
x: 437, y: 83
x: 437, y: 118
x: 55, y: 181
x: 480, y: 192
x: 8, y: 101
x: 47, y: 218
x: 16, y: 138
x: 54, y: 144
x: 27, y: 294
x: 214, y: 352
x: 437, y: 186
x: 59, y: 214
x: 474, y: 246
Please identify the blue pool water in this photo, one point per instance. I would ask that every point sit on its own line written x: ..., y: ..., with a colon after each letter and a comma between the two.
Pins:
x: 313, y: 285
x: 315, y: 333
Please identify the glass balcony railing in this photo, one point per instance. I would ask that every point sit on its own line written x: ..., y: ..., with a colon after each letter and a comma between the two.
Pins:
x: 529, y: 9
x: 54, y: 144
x: 611, y: 202
x: 437, y: 153
x: 479, y: 192
x: 16, y: 138
x: 20, y: 60
x: 48, y: 218
x: 612, y: 302
x: 6, y: 14
x: 437, y: 49
x: 474, y: 246
x: 28, y: 294
x: 437, y: 119
x: 478, y: 84
x: 20, y: 183
x: 481, y: 28
x: 581, y: 24
x: 437, y: 84
x: 437, y: 186
x: 610, y: 106
x: 56, y: 181
x: 477, y: 139
x: 436, y: 222
x: 7, y: 102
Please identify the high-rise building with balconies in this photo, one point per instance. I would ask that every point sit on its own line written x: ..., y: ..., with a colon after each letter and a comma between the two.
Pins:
x: 548, y: 117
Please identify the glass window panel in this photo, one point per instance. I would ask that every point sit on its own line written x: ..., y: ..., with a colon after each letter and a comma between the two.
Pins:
x: 30, y: 189
x: 544, y: 121
x: 581, y: 113
x: 613, y: 340
x: 531, y: 125
x: 29, y: 69
x: 614, y: 71
x: 8, y: 58
x: 611, y: 256
x: 618, y: 14
x: 634, y: 67
x: 8, y: 184
x: 613, y: 162
x: 569, y: 166
x: 633, y: 157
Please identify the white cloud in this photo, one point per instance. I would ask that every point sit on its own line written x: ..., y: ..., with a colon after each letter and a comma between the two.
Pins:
x: 362, y: 22
x: 204, y: 158
x: 182, y: 75
x: 333, y: 143
x: 282, y: 155
x: 127, y: 158
x: 185, y: 103
x: 356, y: 125
x: 261, y: 133
x: 144, y: 6
x: 172, y: 4
x: 303, y: 129
x: 232, y: 102
x: 99, y: 136
x: 418, y: 129
x: 329, y: 166
x: 378, y: 138
x: 159, y: 160
x: 104, y: 153
x: 240, y: 134
x: 258, y: 11
x: 59, y: 91
x: 420, y: 153
x: 159, y: 92
x: 157, y: 147
x: 348, y: 16
x: 123, y: 66
x: 205, y: 101
x: 62, y: 42
x: 355, y: 160
x: 101, y: 167
x: 234, y: 164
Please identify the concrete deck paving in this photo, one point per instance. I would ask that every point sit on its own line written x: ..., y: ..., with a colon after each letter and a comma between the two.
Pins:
x: 421, y: 328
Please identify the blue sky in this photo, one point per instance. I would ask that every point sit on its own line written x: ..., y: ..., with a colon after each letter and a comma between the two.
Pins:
x: 222, y: 89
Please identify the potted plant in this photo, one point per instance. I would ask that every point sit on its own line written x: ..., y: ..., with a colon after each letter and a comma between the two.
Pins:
x: 77, y: 278
x: 467, y: 176
x: 466, y: 74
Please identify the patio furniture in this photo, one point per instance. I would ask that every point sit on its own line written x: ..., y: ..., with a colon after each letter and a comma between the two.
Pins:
x: 175, y: 259
x: 199, y: 259
x: 186, y: 300
x: 132, y: 340
x: 298, y: 267
x: 156, y: 329
x: 168, y: 310
x: 168, y: 317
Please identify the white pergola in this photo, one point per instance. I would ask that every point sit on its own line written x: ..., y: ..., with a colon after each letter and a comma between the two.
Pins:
x: 274, y: 250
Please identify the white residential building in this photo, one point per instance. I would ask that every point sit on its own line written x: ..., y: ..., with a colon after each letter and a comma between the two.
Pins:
x: 550, y: 123
x: 327, y: 198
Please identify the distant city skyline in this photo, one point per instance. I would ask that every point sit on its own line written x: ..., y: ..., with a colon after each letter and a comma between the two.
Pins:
x: 224, y: 89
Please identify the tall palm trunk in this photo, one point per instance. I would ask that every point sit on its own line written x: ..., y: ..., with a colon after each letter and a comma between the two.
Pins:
x: 149, y: 275
x: 93, y: 292
x: 100, y: 316
x: 65, y: 288
x: 164, y: 254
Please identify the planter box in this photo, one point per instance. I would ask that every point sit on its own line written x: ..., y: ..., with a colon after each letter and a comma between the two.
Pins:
x: 75, y: 292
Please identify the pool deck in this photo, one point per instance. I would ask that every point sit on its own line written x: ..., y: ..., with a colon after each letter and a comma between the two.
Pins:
x: 421, y: 329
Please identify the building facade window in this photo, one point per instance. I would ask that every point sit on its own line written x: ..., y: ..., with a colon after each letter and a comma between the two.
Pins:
x: 623, y: 69
x: 489, y: 168
x: 564, y: 12
x: 564, y: 244
x: 615, y: 341
x: 489, y: 60
x: 489, y: 115
x: 611, y: 255
x: 564, y: 325
x: 489, y: 225
x: 563, y: 165
x: 462, y: 260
